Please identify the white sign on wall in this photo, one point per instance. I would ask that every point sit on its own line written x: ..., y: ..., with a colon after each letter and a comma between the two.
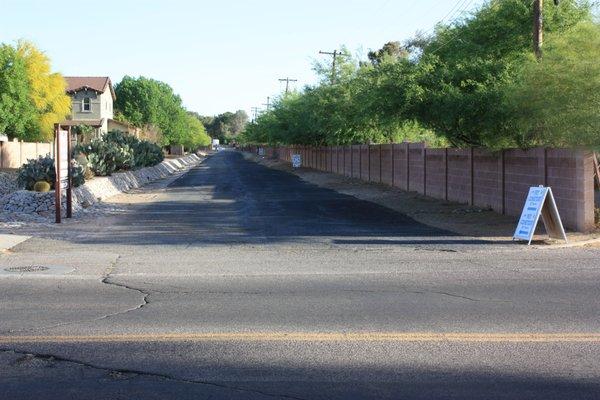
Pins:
x: 296, y: 160
x: 261, y: 151
x: 540, y: 201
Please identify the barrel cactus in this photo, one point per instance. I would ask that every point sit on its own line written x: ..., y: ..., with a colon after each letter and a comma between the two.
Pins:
x: 42, y: 169
x: 41, y: 186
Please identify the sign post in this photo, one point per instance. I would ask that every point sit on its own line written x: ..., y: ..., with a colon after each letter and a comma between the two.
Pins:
x: 540, y: 202
x: 62, y: 162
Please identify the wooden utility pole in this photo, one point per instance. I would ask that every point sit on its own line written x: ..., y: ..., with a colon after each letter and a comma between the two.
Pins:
x: 538, y: 27
x: 596, y: 169
x: 287, y: 83
x: 335, y: 55
x: 268, y: 103
x: 255, y: 111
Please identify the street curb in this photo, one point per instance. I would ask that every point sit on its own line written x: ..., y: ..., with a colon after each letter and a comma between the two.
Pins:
x: 580, y: 243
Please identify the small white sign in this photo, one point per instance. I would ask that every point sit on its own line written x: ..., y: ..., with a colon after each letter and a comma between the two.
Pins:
x: 261, y: 151
x: 540, y: 201
x: 64, y: 157
x: 296, y: 160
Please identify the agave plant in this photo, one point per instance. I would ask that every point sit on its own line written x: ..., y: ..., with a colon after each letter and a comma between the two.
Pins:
x: 41, y: 169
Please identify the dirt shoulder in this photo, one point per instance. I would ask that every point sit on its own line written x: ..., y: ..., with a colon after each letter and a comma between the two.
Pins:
x: 460, y: 218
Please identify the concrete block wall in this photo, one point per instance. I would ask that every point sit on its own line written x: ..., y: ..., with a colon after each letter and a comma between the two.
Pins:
x: 497, y: 180
x: 347, y: 158
x: 459, y: 175
x: 364, y: 162
x: 375, y: 163
x: 400, y: 163
x: 523, y: 169
x: 355, y: 161
x: 435, y: 173
x: 387, y: 164
x: 487, y: 180
x: 334, y: 159
x: 416, y: 165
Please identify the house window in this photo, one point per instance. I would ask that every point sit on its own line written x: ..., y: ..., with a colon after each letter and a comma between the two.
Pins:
x: 86, y: 105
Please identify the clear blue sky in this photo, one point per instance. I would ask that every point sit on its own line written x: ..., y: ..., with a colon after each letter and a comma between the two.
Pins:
x: 218, y: 55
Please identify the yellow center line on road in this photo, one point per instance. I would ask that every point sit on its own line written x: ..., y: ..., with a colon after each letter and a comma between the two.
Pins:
x: 573, y: 337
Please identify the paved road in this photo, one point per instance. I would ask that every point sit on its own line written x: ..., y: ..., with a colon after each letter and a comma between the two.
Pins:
x: 242, y: 282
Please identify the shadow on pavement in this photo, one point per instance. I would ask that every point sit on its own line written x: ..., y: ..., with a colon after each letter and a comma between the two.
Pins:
x: 231, y: 200
x: 152, y: 376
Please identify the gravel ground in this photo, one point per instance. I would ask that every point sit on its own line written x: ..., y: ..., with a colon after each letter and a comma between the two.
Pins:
x: 8, y: 182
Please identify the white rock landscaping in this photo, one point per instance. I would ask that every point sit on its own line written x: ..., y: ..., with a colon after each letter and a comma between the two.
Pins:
x: 42, y: 204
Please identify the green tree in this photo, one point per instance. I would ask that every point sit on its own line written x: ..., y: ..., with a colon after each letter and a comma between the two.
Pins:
x: 144, y: 101
x: 17, y: 112
x: 393, y: 51
x: 197, y: 136
x: 46, y: 91
x: 453, y: 87
x: 468, y: 65
x: 225, y: 126
x: 556, y: 101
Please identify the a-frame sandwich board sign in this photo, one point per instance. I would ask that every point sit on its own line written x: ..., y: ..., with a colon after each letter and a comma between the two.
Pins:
x: 540, y: 201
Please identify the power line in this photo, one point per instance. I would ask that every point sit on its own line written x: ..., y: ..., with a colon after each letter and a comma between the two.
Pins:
x: 450, y: 16
x: 451, y: 38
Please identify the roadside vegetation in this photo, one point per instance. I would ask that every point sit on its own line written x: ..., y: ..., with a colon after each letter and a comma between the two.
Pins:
x: 473, y: 82
x: 32, y: 97
x: 114, y: 152
x: 226, y: 126
x: 39, y: 174
x: 147, y: 102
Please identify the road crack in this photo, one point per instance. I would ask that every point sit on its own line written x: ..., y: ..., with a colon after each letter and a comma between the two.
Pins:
x: 107, y: 281
x: 118, y: 373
